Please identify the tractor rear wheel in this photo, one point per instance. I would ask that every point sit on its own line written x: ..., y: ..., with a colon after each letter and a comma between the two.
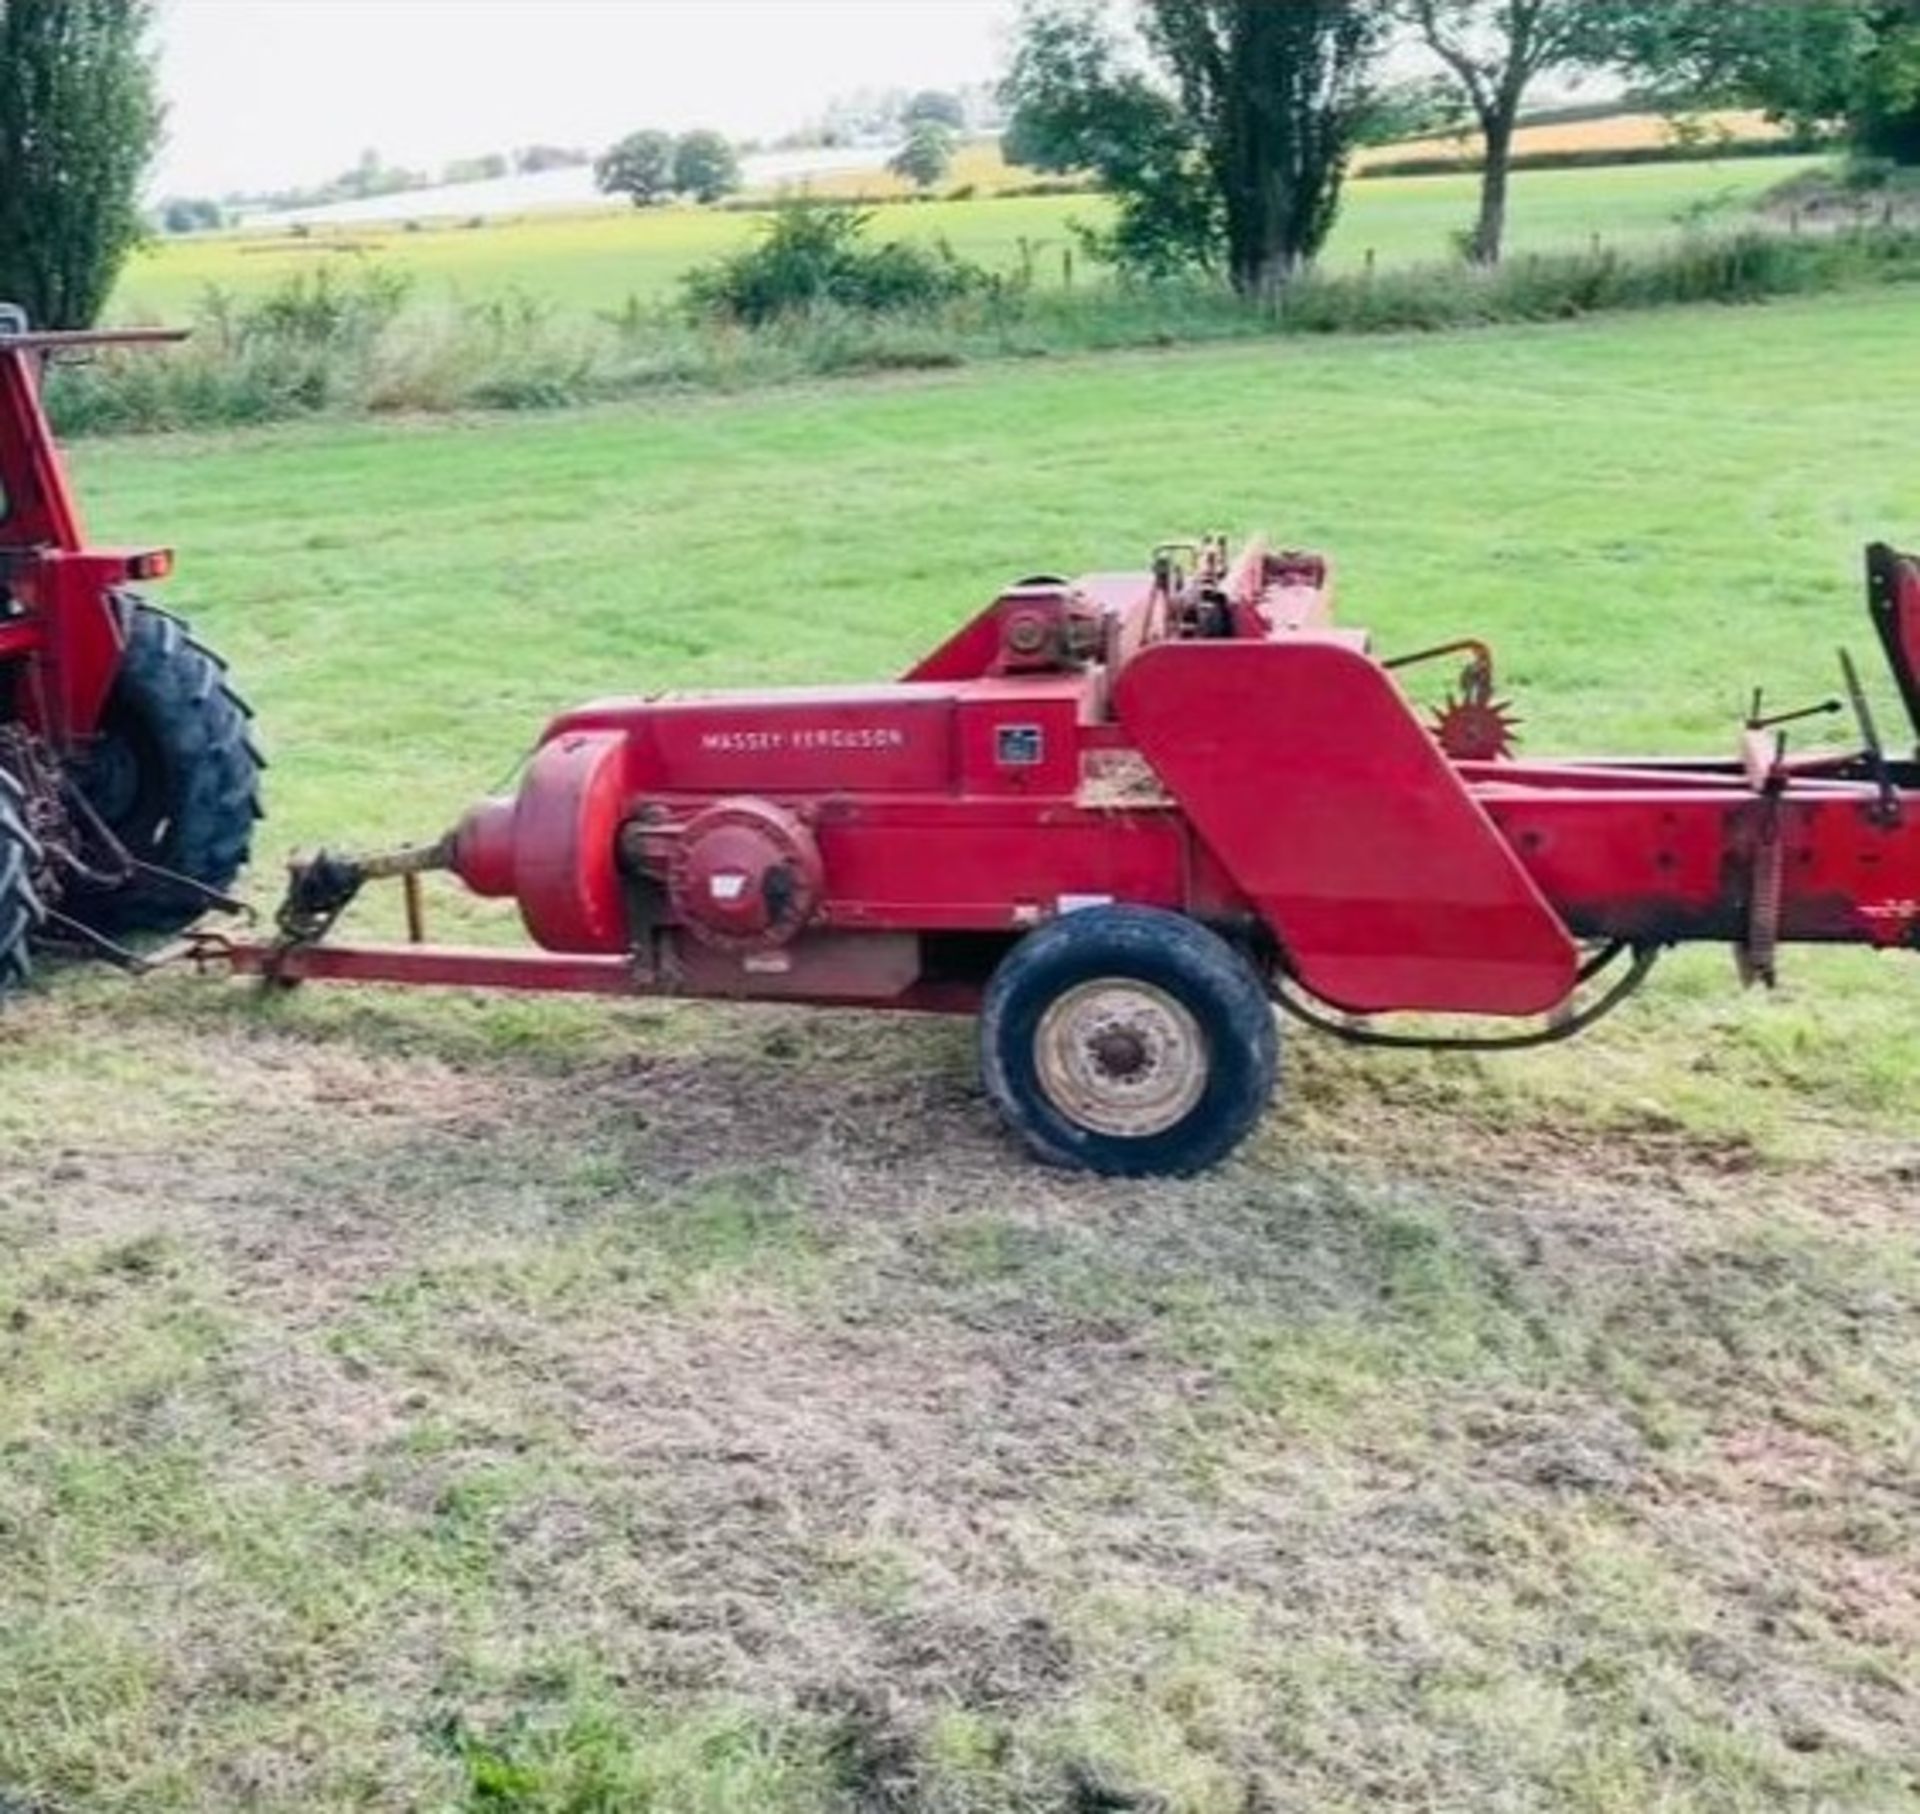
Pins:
x: 20, y: 909
x: 174, y: 775
x: 1130, y: 1041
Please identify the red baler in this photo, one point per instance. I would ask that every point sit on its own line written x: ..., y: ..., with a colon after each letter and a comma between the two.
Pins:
x: 1120, y: 817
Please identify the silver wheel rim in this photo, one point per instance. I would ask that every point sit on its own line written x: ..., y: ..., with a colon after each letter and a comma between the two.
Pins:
x: 1121, y: 1057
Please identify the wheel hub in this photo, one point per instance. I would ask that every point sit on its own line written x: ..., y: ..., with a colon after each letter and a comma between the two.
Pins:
x: 1121, y: 1053
x: 1120, y: 1056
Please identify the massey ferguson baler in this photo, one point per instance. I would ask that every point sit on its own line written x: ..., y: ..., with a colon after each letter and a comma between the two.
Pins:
x: 1120, y: 817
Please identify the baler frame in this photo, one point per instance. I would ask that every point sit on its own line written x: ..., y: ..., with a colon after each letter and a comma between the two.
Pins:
x: 1278, y: 787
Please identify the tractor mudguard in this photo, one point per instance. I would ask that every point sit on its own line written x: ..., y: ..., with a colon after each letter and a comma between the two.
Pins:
x: 1307, y: 775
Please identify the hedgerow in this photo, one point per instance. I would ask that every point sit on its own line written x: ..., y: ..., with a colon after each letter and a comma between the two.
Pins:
x: 309, y: 348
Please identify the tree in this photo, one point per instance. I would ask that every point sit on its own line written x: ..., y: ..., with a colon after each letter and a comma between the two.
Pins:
x: 529, y: 160
x: 1279, y: 92
x: 705, y: 166
x: 365, y: 178
x: 936, y: 106
x: 1075, y: 104
x: 488, y: 167
x: 1886, y: 119
x: 373, y: 176
x: 80, y: 121
x: 926, y: 156
x: 1230, y: 152
x: 640, y: 167
x: 1811, y: 65
x: 1425, y: 107
x: 1494, y: 51
x: 190, y: 214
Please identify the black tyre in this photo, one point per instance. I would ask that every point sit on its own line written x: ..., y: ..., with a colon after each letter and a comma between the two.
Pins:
x: 173, y: 773
x: 20, y: 909
x: 1129, y: 1041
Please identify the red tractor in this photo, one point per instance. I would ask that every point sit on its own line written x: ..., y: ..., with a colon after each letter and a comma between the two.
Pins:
x: 129, y: 782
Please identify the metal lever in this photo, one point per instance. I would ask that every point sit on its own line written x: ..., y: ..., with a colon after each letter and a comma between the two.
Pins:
x: 1757, y: 721
x: 1887, y: 809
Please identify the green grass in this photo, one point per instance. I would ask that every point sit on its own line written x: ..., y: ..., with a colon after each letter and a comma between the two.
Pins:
x: 434, y: 1402
x: 407, y: 599
x: 598, y: 261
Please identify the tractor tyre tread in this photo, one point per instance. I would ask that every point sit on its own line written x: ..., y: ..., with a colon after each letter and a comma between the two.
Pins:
x: 203, y: 731
x: 21, y: 912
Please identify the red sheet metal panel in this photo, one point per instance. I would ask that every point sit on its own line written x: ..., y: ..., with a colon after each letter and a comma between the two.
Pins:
x: 965, y: 866
x: 1022, y: 737
x: 565, y: 827
x: 972, y: 649
x: 1304, y: 770
x: 873, y: 739
x: 1669, y: 864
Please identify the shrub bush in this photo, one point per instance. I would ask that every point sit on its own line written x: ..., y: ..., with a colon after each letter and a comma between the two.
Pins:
x: 311, y: 309
x: 815, y: 254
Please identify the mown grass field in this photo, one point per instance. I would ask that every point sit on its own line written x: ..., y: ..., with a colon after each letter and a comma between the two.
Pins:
x: 508, y: 1405
x: 599, y: 261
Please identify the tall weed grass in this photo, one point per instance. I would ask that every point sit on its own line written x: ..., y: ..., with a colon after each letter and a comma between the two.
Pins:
x: 318, y: 346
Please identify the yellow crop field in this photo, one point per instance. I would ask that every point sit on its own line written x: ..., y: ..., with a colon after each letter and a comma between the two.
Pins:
x: 1617, y: 132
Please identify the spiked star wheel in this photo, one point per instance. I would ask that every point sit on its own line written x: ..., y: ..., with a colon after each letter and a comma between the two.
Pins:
x: 1475, y: 729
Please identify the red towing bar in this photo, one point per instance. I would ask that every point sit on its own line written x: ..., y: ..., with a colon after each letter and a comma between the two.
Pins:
x: 67, y: 340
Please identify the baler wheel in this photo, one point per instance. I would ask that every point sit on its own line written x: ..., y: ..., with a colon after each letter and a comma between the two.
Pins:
x: 175, y: 776
x: 1128, y: 1041
x: 20, y: 909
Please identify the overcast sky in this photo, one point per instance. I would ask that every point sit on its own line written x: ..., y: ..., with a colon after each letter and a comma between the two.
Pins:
x: 264, y: 93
